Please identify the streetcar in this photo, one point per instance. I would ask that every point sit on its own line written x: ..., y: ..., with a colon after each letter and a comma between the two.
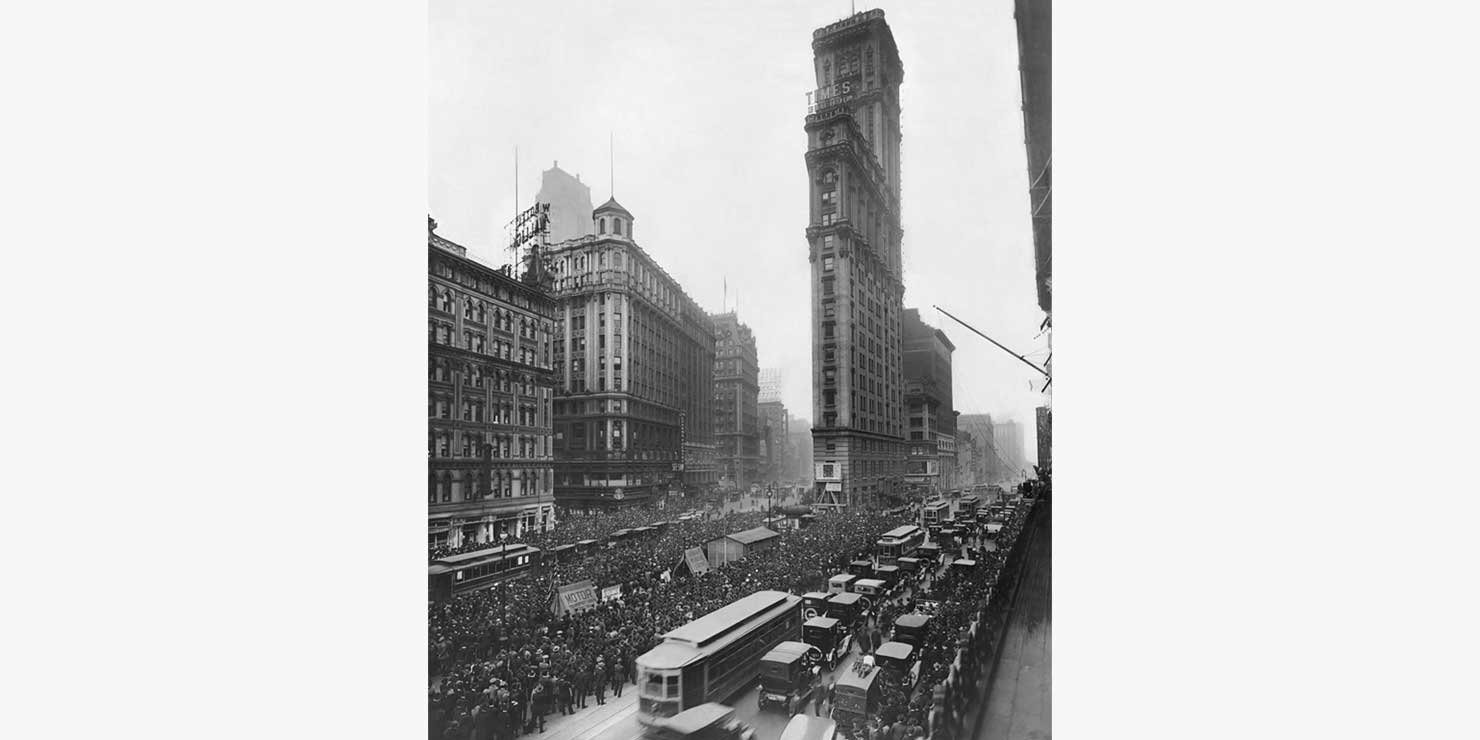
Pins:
x: 471, y: 571
x: 714, y: 656
x: 936, y: 512
x: 897, y: 543
x: 967, y: 505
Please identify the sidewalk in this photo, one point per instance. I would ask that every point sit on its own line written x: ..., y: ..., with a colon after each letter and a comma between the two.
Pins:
x: 592, y: 721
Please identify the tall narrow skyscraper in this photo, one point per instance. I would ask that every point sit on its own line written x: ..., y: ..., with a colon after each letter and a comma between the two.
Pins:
x: 853, y: 239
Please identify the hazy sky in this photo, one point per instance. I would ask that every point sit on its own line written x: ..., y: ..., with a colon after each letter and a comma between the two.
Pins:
x: 706, y: 102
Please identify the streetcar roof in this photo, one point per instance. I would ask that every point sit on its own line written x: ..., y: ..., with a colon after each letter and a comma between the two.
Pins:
x: 668, y: 655
x: 895, y: 650
x: 726, y: 619
x: 690, y: 721
x: 490, y: 554
x: 903, y: 531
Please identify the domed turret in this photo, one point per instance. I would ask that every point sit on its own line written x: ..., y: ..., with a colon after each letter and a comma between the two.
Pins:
x: 612, y: 219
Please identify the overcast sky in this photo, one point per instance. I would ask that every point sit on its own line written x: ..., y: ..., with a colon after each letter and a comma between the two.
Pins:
x: 706, y: 102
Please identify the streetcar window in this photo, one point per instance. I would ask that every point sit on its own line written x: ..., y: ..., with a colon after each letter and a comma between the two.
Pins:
x: 672, y: 691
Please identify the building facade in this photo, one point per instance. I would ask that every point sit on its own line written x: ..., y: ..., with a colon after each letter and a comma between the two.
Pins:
x: 490, y: 387
x: 736, y: 394
x: 570, y: 204
x: 931, y: 466
x: 1045, y: 437
x: 983, y: 465
x: 775, y: 434
x: 853, y: 237
x: 634, y: 359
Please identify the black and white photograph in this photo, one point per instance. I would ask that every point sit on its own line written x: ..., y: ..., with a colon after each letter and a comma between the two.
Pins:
x: 739, y: 350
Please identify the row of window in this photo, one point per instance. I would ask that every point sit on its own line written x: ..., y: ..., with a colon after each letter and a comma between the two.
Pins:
x: 441, y: 444
x: 447, y: 486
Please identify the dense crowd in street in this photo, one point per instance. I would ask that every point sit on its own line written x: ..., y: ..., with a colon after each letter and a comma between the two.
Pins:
x: 501, y: 661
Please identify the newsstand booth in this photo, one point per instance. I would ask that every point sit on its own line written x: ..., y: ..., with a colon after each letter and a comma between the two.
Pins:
x: 790, y: 674
x: 859, y: 695
x: 840, y: 583
x: 831, y: 637
x: 847, y: 608
x: 814, y: 604
x: 912, y: 629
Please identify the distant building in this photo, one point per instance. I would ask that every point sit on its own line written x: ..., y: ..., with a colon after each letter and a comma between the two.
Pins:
x: 570, y: 204
x: 775, y: 441
x: 984, y: 467
x: 490, y: 386
x: 1010, y: 450
x: 634, y: 359
x: 771, y: 382
x: 1045, y: 437
x: 736, y: 416
x: 930, y: 420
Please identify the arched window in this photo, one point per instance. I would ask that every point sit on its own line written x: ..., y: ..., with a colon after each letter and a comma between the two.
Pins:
x: 617, y: 225
x: 446, y: 304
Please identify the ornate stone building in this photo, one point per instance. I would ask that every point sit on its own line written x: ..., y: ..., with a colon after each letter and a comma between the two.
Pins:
x: 736, y: 395
x: 490, y: 387
x: 853, y: 237
x: 634, y: 359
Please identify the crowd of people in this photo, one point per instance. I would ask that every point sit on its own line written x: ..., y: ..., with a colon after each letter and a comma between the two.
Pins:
x: 501, y: 661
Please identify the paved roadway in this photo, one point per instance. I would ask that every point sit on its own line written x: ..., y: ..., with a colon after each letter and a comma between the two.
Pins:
x: 1018, y: 705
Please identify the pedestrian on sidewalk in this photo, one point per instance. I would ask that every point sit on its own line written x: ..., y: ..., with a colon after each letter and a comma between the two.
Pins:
x: 600, y: 692
x: 615, y: 671
x: 538, y: 706
x: 567, y: 697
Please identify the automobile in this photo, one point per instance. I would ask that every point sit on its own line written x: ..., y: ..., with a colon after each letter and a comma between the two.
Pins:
x: 790, y: 674
x: 913, y: 628
x: 840, y: 583
x: 851, y: 609
x: 900, y: 662
x: 872, y: 589
x: 814, y: 604
x: 804, y: 727
x: 859, y: 694
x: 889, y: 574
x: 710, y: 721
x: 830, y: 636
x: 861, y: 568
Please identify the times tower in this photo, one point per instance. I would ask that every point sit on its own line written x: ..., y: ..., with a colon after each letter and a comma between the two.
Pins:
x: 853, y: 241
